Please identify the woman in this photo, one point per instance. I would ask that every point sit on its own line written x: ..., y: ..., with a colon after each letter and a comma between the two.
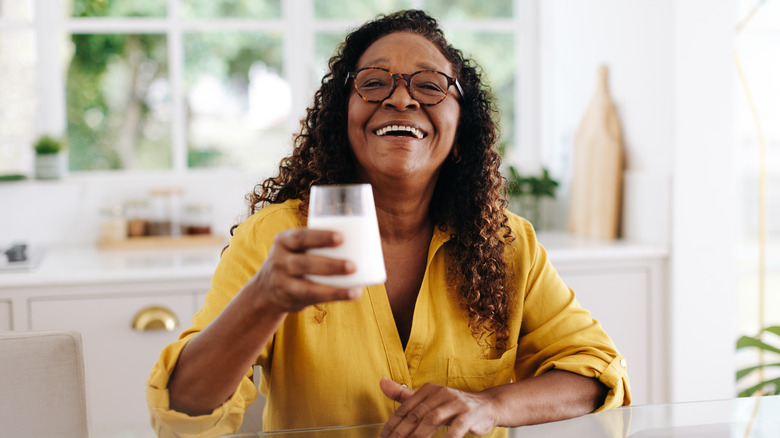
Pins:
x: 473, y: 328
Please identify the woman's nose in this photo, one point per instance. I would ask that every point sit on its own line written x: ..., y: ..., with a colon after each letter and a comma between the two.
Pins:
x: 400, y: 97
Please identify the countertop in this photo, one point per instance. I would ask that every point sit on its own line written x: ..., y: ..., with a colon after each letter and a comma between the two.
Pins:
x: 90, y: 264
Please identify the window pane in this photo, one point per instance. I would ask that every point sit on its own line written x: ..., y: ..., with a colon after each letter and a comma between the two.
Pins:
x: 357, y: 9
x: 469, y: 9
x: 17, y: 104
x: 118, y: 8
x: 325, y: 46
x: 20, y: 10
x: 238, y: 104
x: 494, y: 53
x: 118, y: 102
x: 231, y: 8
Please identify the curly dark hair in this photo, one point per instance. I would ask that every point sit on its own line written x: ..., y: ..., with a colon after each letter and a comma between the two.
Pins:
x: 467, y: 199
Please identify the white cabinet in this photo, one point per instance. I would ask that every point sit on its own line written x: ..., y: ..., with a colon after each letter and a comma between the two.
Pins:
x: 99, y: 293
x: 117, y: 359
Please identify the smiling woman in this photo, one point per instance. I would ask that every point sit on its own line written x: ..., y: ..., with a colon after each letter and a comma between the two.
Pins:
x: 472, y: 327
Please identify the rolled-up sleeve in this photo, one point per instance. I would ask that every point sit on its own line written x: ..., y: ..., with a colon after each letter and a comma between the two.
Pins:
x: 224, y: 419
x: 557, y: 333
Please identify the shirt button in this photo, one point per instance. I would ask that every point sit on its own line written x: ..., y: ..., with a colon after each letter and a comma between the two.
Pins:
x: 623, y: 363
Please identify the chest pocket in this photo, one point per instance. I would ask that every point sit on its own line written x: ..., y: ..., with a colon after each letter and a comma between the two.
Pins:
x: 474, y: 375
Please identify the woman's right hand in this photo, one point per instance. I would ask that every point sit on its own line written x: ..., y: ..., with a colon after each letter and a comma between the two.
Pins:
x: 281, y: 282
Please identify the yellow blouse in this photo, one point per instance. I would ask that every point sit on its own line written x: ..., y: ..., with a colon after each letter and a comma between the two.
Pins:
x: 323, y: 366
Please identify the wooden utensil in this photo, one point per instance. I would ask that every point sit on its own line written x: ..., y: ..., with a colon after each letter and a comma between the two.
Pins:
x: 596, y: 186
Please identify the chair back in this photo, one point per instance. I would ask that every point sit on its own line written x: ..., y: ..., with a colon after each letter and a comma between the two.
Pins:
x: 42, y: 390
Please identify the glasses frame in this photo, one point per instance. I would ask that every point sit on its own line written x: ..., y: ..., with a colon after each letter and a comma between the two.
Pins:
x: 408, y: 79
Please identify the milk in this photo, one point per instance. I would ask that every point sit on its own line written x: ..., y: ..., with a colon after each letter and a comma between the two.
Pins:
x: 361, y: 245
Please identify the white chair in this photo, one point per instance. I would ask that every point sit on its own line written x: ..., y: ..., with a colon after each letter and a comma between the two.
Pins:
x: 42, y: 391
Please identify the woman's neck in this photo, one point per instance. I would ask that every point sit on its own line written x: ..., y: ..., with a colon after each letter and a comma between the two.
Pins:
x: 403, y: 215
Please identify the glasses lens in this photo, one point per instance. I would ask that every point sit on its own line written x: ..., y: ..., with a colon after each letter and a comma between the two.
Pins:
x: 429, y: 87
x: 374, y: 84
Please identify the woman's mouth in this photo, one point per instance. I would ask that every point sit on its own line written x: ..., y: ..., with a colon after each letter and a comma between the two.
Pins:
x: 400, y: 131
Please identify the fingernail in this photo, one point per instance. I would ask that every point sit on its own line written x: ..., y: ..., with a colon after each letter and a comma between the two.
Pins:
x: 355, y: 293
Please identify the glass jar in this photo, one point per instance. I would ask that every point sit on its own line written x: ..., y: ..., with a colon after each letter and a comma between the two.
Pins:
x: 113, y: 224
x: 164, y: 213
x: 196, y: 219
x: 137, y: 214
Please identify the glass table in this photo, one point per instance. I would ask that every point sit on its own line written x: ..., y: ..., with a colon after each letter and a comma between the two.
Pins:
x: 757, y: 417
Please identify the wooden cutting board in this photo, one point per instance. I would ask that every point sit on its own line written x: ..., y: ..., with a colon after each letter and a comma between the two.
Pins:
x: 597, y: 179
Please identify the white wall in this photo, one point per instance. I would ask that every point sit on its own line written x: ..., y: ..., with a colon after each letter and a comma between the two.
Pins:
x: 633, y: 39
x: 67, y: 212
x: 671, y: 78
x: 704, y: 224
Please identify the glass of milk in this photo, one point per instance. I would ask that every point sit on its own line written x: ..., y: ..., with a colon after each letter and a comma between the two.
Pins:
x: 350, y: 210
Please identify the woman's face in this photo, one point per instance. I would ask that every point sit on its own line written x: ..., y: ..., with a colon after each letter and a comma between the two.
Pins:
x: 402, y: 155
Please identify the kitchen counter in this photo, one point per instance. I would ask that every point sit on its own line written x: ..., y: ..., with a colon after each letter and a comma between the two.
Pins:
x: 89, y: 264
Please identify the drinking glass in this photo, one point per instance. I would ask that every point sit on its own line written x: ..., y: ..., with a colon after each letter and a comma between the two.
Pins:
x: 350, y: 210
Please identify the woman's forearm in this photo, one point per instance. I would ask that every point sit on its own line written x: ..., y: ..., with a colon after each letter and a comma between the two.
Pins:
x: 552, y: 396
x: 213, y: 363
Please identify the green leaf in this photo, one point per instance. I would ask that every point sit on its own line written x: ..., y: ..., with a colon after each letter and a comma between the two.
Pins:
x: 774, y: 329
x: 745, y: 371
x: 750, y: 391
x: 747, y: 341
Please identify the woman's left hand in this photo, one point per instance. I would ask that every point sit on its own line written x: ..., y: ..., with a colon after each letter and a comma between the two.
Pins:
x: 424, y: 411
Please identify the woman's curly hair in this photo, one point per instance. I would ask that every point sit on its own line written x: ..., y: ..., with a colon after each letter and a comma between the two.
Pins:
x: 467, y: 199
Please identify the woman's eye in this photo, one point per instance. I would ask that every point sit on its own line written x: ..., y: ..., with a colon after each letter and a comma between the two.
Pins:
x: 429, y: 86
x: 374, y: 83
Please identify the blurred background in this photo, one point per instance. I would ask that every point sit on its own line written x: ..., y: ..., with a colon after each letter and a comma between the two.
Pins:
x: 201, y: 98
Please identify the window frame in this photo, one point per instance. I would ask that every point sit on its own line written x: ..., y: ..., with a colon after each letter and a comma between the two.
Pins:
x: 299, y: 28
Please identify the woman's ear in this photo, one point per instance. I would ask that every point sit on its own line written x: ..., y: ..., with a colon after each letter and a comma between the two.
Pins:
x: 455, y: 154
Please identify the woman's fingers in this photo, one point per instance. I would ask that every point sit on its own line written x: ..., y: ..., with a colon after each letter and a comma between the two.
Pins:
x: 301, y: 264
x: 282, y: 278
x: 415, y: 410
x: 302, y: 239
x: 394, y: 390
x: 433, y: 407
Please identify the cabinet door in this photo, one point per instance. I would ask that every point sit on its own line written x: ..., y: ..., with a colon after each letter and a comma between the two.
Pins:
x: 117, y: 359
x: 619, y: 300
x: 5, y: 315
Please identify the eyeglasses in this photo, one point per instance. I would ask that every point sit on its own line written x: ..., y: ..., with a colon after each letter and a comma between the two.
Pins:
x: 375, y: 84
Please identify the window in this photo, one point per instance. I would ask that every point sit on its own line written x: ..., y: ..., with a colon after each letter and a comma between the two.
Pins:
x: 187, y: 84
x: 17, y: 84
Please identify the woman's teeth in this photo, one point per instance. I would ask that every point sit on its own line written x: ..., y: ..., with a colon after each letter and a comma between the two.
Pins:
x: 399, y: 129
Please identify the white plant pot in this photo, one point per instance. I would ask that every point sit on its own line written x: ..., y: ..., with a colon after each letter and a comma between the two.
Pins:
x: 50, y: 166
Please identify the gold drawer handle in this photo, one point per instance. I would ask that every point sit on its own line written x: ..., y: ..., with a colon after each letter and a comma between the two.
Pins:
x: 155, y: 318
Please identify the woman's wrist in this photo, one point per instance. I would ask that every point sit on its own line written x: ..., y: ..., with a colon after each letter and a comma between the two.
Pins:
x: 504, y: 402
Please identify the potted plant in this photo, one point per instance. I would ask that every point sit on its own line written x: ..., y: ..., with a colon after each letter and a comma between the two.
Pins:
x: 50, y: 158
x: 525, y: 193
x: 766, y: 385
